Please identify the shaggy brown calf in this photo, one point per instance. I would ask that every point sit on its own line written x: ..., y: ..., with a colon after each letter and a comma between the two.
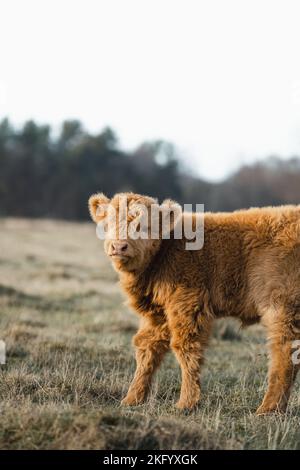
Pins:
x: 248, y: 268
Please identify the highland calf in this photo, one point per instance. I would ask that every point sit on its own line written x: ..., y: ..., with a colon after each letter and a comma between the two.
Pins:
x: 248, y: 268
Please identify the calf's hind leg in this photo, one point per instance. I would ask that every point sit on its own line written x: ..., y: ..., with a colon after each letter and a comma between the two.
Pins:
x: 282, y: 370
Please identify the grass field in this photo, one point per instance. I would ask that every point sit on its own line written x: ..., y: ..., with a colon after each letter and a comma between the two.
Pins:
x: 70, y: 360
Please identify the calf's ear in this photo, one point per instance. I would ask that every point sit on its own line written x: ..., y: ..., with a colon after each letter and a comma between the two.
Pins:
x: 171, y: 214
x: 98, y: 207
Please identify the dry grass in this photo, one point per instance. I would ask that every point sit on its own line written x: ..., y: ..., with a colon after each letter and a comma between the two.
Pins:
x: 69, y: 359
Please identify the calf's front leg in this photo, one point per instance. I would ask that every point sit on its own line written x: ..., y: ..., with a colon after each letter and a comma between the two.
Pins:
x: 189, y: 337
x: 151, y: 342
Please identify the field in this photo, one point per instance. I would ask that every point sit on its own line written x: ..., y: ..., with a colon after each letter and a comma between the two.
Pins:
x: 70, y: 360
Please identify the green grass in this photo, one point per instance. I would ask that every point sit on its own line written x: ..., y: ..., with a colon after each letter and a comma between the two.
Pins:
x: 70, y: 360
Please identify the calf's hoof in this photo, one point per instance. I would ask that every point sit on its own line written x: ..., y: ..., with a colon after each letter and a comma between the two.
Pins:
x: 132, y: 400
x: 186, y: 405
x: 270, y: 409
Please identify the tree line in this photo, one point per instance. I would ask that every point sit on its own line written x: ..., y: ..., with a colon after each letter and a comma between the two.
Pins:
x: 48, y: 174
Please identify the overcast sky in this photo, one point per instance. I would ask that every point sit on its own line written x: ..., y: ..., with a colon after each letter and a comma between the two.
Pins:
x: 221, y: 79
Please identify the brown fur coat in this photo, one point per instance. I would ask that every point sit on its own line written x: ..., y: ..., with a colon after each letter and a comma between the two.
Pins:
x: 248, y: 268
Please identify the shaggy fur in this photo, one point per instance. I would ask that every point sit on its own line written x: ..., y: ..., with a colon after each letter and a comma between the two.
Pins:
x: 249, y: 268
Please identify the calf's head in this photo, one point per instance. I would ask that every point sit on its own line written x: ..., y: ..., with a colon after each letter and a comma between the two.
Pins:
x: 132, y: 227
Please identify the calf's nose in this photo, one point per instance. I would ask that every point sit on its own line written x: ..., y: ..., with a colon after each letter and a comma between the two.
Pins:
x: 119, y: 247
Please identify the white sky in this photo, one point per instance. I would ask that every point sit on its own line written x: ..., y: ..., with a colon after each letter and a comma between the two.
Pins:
x: 221, y: 79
